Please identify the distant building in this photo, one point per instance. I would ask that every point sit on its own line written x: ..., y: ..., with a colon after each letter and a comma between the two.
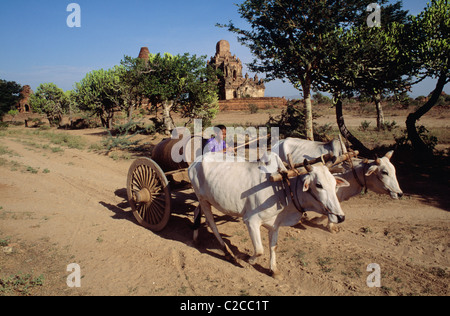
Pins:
x: 233, y: 85
x: 144, y: 53
x: 24, y: 104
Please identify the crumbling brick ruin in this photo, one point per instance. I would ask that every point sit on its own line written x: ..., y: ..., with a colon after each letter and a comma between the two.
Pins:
x: 233, y: 85
x: 144, y: 53
x: 24, y: 104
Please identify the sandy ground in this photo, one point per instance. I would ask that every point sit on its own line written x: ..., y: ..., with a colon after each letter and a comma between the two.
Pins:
x: 58, y: 208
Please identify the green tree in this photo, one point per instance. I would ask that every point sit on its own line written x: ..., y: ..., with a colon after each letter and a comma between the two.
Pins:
x: 289, y: 37
x: 384, y: 66
x: 9, y: 95
x: 366, y: 61
x: 132, y: 78
x: 430, y: 51
x: 101, y: 92
x: 51, y: 101
x: 201, y: 100
x: 180, y: 84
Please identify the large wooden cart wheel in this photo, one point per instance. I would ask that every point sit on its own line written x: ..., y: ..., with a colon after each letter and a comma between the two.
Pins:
x: 149, y: 194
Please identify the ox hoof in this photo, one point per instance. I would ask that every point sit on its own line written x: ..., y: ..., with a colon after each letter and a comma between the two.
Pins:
x: 229, y: 256
x: 195, y: 237
x: 252, y: 260
x: 333, y: 229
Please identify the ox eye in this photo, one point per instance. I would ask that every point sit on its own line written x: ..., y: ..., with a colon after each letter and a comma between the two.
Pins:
x: 319, y: 186
x: 385, y: 173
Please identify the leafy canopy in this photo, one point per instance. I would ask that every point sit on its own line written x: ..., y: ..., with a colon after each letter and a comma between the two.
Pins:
x: 51, y: 101
x: 9, y: 95
x: 184, y: 81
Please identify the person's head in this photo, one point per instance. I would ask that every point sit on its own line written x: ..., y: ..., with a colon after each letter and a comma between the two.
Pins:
x: 221, y: 132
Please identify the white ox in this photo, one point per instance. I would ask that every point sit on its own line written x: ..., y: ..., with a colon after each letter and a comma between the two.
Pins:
x: 377, y: 175
x: 241, y: 189
x: 307, y: 149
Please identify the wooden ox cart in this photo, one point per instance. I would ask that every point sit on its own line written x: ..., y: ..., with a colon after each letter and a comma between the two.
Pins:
x: 150, y: 181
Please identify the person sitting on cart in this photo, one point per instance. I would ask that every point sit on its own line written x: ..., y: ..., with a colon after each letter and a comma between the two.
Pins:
x: 218, y: 144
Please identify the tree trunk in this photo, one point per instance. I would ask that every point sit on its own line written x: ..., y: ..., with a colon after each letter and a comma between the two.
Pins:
x: 104, y: 121
x: 169, y: 126
x: 130, y: 112
x: 308, y: 111
x: 309, y: 119
x: 110, y: 121
x: 110, y: 118
x: 419, y: 146
x: 380, y: 114
x: 363, y: 150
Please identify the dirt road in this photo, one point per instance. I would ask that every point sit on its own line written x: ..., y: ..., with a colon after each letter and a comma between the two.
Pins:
x: 60, y: 206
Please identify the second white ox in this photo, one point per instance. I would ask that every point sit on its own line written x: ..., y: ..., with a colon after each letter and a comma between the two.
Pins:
x: 377, y: 175
x: 307, y: 149
x: 241, y: 189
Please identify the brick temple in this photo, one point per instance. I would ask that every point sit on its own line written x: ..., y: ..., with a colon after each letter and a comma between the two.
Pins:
x: 233, y: 85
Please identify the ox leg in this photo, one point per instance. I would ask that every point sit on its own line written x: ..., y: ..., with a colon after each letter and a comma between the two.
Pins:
x: 273, y: 240
x: 254, y: 230
x: 197, y: 222
x: 206, y: 209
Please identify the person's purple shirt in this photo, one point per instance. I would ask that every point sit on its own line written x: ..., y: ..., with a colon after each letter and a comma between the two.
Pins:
x: 215, y: 147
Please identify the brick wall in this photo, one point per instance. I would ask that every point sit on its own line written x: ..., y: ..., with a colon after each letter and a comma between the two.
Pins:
x: 243, y: 104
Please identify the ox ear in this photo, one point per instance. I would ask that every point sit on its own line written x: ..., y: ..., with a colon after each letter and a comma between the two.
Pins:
x: 307, y: 183
x: 389, y: 154
x: 341, y: 182
x: 371, y: 170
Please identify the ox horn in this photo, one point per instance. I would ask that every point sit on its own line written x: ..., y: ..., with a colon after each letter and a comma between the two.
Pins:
x: 389, y: 154
x: 308, y: 167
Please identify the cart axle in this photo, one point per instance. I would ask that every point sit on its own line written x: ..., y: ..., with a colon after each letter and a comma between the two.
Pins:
x: 143, y: 196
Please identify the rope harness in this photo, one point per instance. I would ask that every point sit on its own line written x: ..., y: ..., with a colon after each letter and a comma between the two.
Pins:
x: 286, y: 183
x: 355, y: 174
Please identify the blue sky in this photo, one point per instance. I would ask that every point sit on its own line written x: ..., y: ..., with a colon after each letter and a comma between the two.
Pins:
x: 39, y: 47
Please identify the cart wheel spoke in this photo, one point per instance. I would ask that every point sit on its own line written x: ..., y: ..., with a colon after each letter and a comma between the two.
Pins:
x: 152, y: 179
x: 139, y: 177
x: 156, y: 216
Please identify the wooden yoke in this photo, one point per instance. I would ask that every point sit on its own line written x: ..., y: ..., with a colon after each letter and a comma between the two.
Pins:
x: 345, y: 157
x: 295, y: 170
